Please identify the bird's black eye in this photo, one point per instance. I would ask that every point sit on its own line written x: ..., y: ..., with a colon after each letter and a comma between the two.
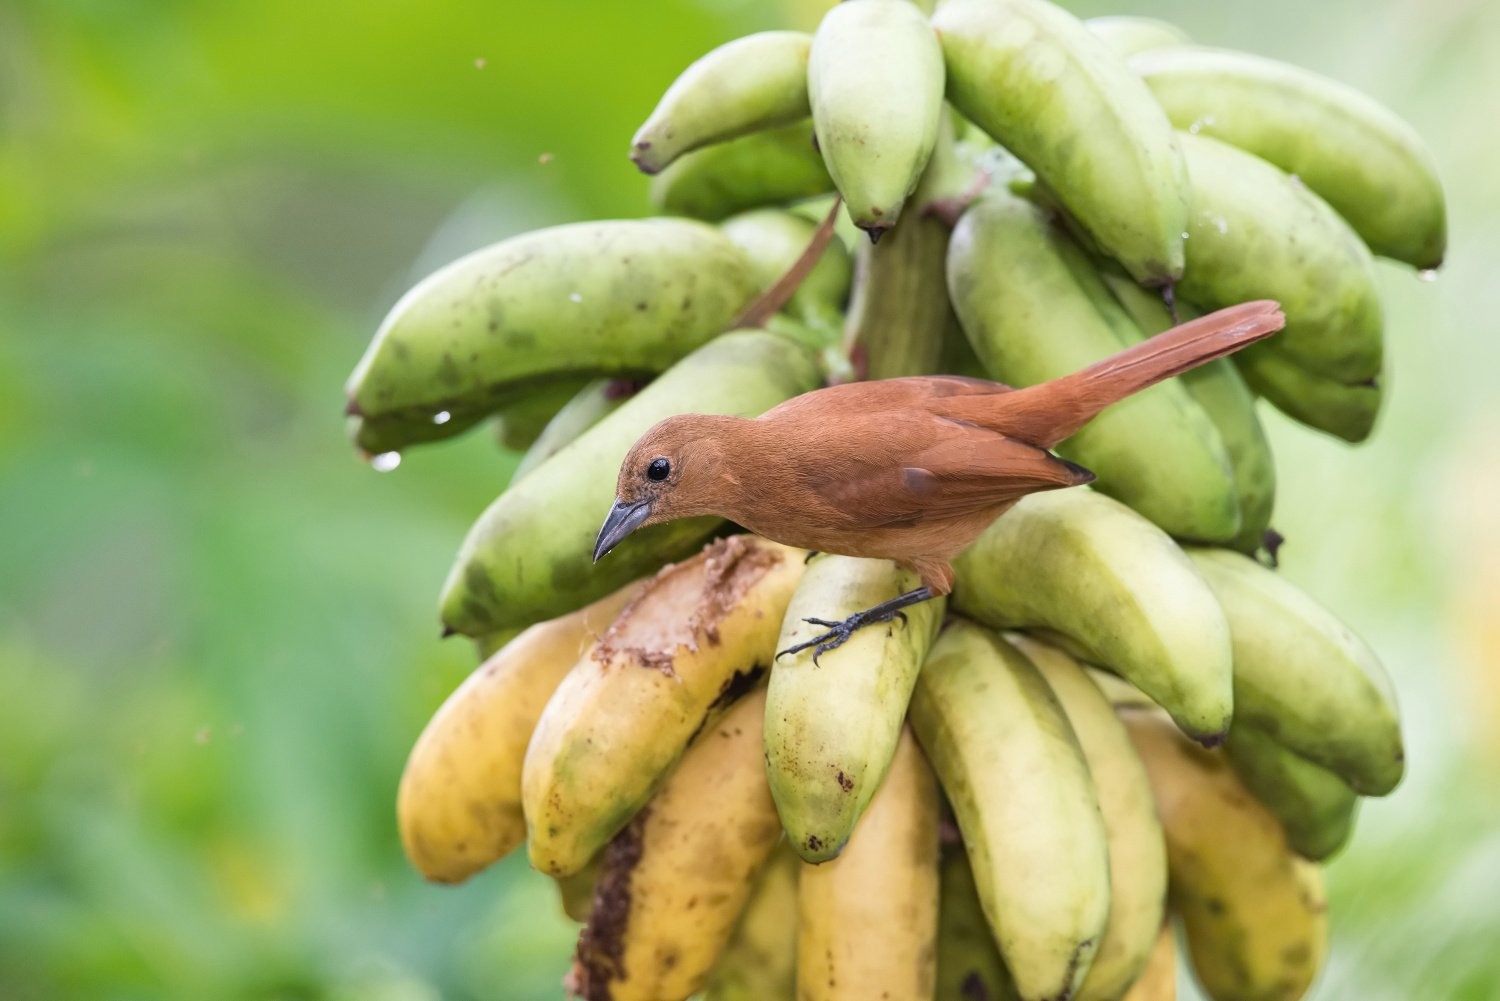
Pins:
x: 659, y: 470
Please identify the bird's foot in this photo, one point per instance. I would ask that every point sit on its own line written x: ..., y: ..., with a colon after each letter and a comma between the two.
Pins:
x: 838, y: 633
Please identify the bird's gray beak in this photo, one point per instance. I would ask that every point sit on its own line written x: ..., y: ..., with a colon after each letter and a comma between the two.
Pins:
x: 622, y: 520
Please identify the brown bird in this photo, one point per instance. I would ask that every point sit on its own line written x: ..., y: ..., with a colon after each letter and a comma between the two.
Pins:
x: 911, y: 470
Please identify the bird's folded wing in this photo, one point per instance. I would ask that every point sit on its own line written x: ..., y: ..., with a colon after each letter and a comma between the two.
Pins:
x: 959, y: 470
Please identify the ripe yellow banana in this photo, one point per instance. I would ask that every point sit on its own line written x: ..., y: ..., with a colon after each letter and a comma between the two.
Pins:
x: 1303, y: 677
x: 750, y: 84
x: 1046, y: 88
x: 1115, y: 591
x: 1137, y: 853
x: 1020, y: 788
x: 459, y: 804
x: 672, y: 883
x: 695, y: 639
x: 833, y: 722
x: 1255, y: 912
x: 875, y: 81
x: 868, y: 920
x: 760, y: 961
x: 969, y: 966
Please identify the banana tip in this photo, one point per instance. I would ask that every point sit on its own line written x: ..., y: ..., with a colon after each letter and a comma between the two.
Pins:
x: 1213, y: 740
x: 448, y: 631
x: 638, y: 157
x: 353, y: 409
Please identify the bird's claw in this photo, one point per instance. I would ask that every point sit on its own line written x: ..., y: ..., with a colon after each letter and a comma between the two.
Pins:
x: 839, y: 632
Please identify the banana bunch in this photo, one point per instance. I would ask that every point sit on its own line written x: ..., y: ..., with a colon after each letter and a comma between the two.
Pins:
x: 1120, y: 721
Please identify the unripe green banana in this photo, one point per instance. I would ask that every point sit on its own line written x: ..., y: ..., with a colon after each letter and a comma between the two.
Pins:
x: 530, y: 555
x: 899, y: 310
x: 1137, y: 854
x: 1303, y: 677
x: 748, y: 85
x: 1221, y: 391
x: 1115, y: 590
x: 518, y: 425
x: 629, y: 297
x: 1032, y: 76
x: 400, y: 431
x: 1020, y: 788
x: 1345, y: 410
x: 590, y: 405
x: 763, y: 168
x: 1128, y: 35
x: 969, y: 965
x: 774, y: 239
x: 875, y: 80
x: 1357, y: 154
x: 1035, y: 309
x: 832, y: 724
x: 1316, y: 807
x: 760, y: 961
x: 1258, y: 234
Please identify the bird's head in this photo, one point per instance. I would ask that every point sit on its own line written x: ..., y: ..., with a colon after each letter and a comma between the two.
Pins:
x: 675, y: 470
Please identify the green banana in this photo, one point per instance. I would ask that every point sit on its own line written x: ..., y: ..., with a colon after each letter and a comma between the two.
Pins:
x: 396, y: 432
x: 969, y: 965
x: 899, y: 311
x: 519, y: 424
x: 1357, y: 154
x: 1020, y: 788
x: 590, y: 405
x: 1345, y: 410
x: 1115, y: 590
x: 760, y: 961
x: 1137, y: 854
x: 763, y: 168
x: 1035, y: 309
x: 1128, y: 35
x: 1047, y: 89
x: 1316, y: 807
x: 774, y: 239
x: 1221, y: 391
x: 747, y: 85
x: 1303, y: 677
x: 1258, y: 234
x: 628, y: 297
x: 530, y: 554
x: 875, y: 81
x: 832, y: 723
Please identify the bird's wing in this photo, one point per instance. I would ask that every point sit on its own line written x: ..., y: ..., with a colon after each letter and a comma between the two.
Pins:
x: 885, y: 394
x: 958, y: 469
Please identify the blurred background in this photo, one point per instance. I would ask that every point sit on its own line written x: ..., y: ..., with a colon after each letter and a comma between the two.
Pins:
x: 218, y: 636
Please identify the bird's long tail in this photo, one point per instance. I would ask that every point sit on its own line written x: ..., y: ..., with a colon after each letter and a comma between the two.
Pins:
x: 1052, y: 411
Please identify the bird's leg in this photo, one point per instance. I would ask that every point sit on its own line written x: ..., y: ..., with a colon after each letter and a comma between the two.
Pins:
x: 839, y: 632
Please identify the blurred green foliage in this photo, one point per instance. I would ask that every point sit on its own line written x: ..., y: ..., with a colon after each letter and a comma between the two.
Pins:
x: 217, y: 632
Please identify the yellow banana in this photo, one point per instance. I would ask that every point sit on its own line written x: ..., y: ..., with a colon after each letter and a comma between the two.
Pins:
x: 696, y: 638
x: 459, y: 804
x: 1116, y: 591
x: 1020, y: 788
x: 672, y: 883
x: 834, y: 719
x: 1255, y: 912
x: 760, y: 961
x: 1137, y: 854
x: 868, y: 920
x: 750, y: 84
